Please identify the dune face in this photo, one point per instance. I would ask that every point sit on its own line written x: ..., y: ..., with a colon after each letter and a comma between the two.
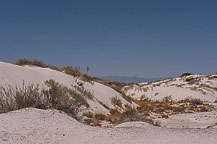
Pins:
x: 28, y: 126
x: 31, y: 125
x: 192, y: 86
x: 14, y: 75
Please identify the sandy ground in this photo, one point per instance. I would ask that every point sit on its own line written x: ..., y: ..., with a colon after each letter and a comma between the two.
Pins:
x: 34, y: 126
x: 191, y: 120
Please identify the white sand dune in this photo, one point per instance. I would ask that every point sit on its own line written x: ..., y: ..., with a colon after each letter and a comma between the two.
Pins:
x: 34, y: 126
x: 194, y: 86
x: 15, y: 75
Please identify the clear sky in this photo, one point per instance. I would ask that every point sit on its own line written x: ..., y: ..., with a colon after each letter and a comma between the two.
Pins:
x: 145, y: 38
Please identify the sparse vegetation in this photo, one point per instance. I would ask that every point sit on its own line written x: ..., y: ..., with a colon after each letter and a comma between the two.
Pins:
x: 193, y: 101
x: 55, y: 97
x: 76, y: 72
x: 84, y: 92
x: 186, y: 74
x: 104, y: 105
x: 36, y: 62
x: 116, y: 102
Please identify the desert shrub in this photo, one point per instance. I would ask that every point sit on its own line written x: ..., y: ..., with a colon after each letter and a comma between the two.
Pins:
x: 185, y: 74
x: 116, y: 102
x: 179, y: 109
x: 88, y: 114
x: 114, y: 112
x: 36, y: 62
x: 63, y: 98
x: 7, y: 101
x: 23, y: 62
x: 29, y: 96
x: 167, y: 99
x: 17, y: 98
x: 76, y: 72
x: 100, y: 116
x: 88, y: 78
x: 55, y: 97
x: 84, y: 92
x: 193, y: 101
x: 192, y: 80
x: 119, y: 90
x: 204, y: 109
x: 129, y: 112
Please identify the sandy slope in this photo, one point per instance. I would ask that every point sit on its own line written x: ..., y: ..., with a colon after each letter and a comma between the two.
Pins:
x: 14, y: 75
x: 190, y: 120
x: 50, y: 126
x: 195, y: 86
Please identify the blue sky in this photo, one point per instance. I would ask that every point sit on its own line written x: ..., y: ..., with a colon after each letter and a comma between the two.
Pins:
x: 145, y: 38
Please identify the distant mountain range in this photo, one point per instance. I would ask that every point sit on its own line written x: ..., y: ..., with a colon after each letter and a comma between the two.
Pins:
x: 131, y: 79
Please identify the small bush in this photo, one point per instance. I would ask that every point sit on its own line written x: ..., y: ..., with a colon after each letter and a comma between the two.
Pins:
x: 76, y: 72
x: 186, y: 74
x: 7, y: 101
x: 37, y: 63
x: 204, y: 109
x: 87, y: 78
x: 193, y: 101
x: 88, y: 114
x: 29, y: 96
x: 100, y: 116
x: 84, y: 92
x: 116, y: 102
